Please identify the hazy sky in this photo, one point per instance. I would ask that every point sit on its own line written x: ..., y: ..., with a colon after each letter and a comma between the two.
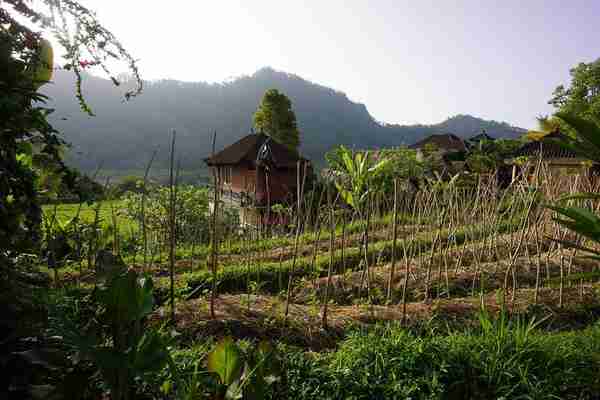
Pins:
x: 408, y: 61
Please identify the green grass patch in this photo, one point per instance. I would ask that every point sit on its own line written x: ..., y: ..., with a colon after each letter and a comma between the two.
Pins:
x: 507, y: 360
x: 65, y: 211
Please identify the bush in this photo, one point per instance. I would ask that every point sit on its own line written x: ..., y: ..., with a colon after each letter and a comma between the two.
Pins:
x: 191, y: 211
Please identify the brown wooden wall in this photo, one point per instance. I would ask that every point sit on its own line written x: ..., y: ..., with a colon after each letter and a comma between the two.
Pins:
x: 282, y: 183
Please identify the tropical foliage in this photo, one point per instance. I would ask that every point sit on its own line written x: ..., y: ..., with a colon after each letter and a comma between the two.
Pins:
x: 579, y: 219
x: 359, y: 173
x: 115, y: 340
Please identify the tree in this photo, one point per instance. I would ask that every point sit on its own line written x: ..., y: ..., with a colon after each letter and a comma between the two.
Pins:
x: 582, y: 97
x: 26, y: 62
x: 491, y: 154
x: 276, y: 119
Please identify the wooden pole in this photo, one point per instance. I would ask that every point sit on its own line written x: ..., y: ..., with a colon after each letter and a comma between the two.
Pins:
x: 213, y: 251
x: 300, y: 192
x: 144, y: 228
x: 331, y: 244
x: 172, y: 229
x: 394, y: 242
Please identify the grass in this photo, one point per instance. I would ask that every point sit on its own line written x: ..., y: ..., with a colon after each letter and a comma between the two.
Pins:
x: 66, y: 211
x: 501, y: 357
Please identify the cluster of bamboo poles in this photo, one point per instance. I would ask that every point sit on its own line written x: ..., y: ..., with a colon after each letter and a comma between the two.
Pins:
x: 445, y: 211
x: 459, y: 222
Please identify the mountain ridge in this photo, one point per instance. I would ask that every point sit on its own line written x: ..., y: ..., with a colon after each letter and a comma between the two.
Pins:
x: 124, y: 134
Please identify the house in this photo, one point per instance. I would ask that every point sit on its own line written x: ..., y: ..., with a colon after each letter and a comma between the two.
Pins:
x: 478, y: 140
x: 256, y: 172
x: 445, y: 143
x: 555, y: 157
x: 450, y: 151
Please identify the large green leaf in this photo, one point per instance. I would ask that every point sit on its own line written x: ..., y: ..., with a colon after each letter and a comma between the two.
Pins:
x: 587, y: 132
x: 126, y: 297
x: 145, y: 300
x: 151, y: 353
x: 226, y: 361
x: 348, y: 162
x: 579, y: 220
x: 378, y: 167
x: 581, y: 196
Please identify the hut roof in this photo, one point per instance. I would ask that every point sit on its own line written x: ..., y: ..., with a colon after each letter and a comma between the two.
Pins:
x: 548, y: 147
x: 445, y: 141
x: 480, y: 137
x: 255, y: 148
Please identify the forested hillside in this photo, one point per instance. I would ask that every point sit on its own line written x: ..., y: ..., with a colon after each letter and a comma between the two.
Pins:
x: 123, y: 136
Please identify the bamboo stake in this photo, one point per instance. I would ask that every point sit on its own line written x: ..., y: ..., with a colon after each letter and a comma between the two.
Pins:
x: 214, y: 248
x: 172, y: 229
x: 394, y: 240
x: 300, y: 194
x: 331, y: 250
x: 143, y: 205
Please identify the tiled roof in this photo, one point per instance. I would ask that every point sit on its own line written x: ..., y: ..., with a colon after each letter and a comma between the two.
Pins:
x: 446, y: 141
x: 248, y: 149
x: 478, y: 138
x: 548, y: 146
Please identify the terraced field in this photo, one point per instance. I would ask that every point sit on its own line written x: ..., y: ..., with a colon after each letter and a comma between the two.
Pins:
x: 453, y: 251
x: 444, y: 273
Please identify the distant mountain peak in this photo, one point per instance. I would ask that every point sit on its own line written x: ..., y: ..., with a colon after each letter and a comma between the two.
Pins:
x: 270, y: 72
x: 266, y: 70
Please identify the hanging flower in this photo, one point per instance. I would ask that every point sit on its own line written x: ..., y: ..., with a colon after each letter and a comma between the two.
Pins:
x: 86, y: 63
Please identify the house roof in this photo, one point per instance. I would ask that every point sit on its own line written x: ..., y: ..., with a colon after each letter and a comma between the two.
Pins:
x: 255, y: 148
x: 445, y: 141
x: 480, y: 137
x: 548, y: 147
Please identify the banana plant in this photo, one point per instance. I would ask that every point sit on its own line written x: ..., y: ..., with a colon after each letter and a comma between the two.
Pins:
x: 359, y: 169
x: 355, y: 188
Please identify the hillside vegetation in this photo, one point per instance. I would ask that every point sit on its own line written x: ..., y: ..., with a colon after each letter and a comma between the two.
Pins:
x: 123, y: 135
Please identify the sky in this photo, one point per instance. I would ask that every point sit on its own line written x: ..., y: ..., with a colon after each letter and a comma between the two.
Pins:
x: 407, y: 61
